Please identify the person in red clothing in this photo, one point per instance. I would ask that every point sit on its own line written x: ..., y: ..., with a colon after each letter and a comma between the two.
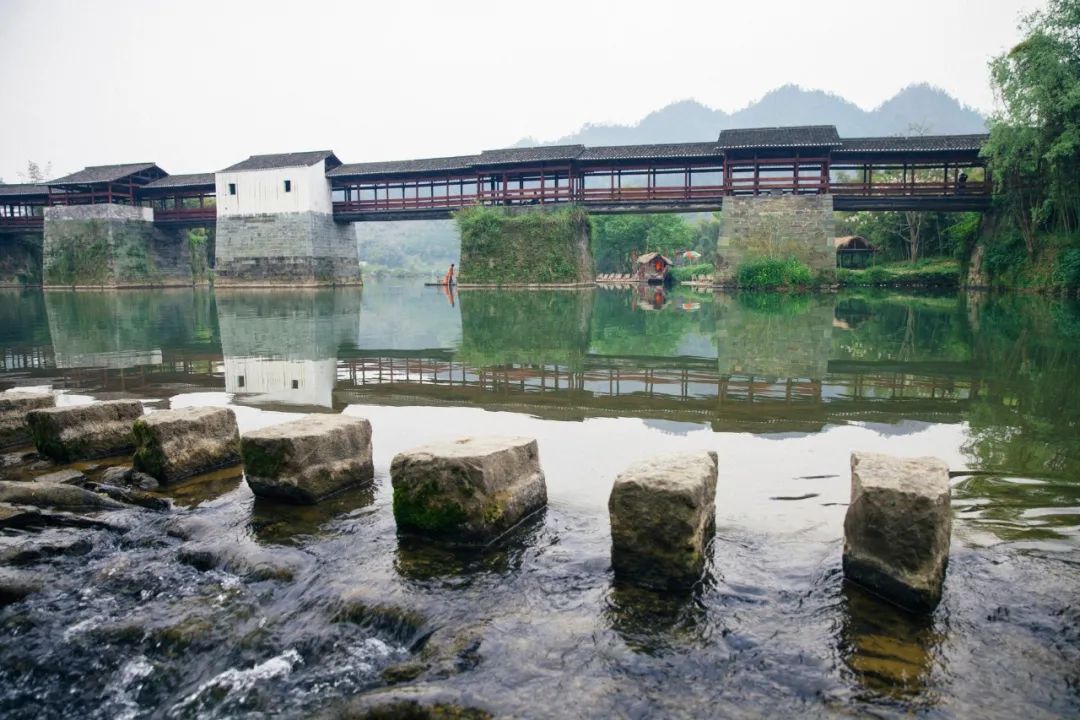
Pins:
x: 449, y: 279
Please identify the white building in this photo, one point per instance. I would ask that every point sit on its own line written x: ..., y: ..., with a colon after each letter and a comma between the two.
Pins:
x: 274, y: 184
x: 276, y: 227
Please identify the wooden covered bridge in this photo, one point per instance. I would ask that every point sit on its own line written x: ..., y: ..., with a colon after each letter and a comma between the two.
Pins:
x: 940, y: 172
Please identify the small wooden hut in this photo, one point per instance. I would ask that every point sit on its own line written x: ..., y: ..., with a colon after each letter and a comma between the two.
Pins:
x: 652, y: 268
x: 852, y: 251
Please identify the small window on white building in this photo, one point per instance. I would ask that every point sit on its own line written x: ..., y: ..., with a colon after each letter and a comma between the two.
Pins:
x: 288, y: 186
x: 295, y: 384
x: 240, y: 380
x: 232, y: 188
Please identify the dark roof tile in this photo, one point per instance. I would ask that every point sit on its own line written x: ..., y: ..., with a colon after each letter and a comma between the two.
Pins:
x: 181, y: 181
x: 105, y: 173
x: 399, y: 167
x: 921, y: 143
x: 284, y: 160
x: 779, y: 137
x: 23, y: 189
x: 650, y: 152
x: 543, y: 153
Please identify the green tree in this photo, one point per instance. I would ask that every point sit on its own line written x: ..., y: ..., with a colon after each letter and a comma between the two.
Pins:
x: 1034, y: 147
x: 615, y: 238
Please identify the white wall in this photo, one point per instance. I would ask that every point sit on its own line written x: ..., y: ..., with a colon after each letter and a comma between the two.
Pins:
x: 261, y: 192
x: 269, y: 381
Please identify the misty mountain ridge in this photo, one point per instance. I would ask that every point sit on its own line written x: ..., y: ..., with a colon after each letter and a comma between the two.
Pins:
x: 917, y: 109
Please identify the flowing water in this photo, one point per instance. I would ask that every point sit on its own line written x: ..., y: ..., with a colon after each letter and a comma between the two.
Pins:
x: 232, y: 607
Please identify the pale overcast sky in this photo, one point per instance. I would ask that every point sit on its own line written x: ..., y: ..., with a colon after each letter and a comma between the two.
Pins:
x: 196, y: 85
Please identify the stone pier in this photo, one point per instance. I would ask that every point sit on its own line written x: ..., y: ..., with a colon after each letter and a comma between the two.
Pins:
x: 301, y: 249
x: 112, y: 246
x: 775, y: 227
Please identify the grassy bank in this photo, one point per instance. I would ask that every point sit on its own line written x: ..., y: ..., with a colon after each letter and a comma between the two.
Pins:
x: 790, y: 274
x: 931, y: 272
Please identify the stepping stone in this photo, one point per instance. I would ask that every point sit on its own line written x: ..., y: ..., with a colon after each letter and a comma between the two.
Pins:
x: 79, y: 432
x: 307, y: 460
x: 471, y: 490
x: 663, y: 516
x: 898, y: 528
x: 13, y: 409
x: 174, y: 444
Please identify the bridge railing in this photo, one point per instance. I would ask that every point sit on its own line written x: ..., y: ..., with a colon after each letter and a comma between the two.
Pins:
x: 22, y: 222
x: 936, y: 188
x: 184, y: 215
x: 676, y: 193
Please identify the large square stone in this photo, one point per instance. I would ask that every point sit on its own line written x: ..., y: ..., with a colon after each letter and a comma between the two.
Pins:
x: 473, y: 489
x: 663, y: 516
x: 78, y: 432
x: 309, y: 459
x: 13, y: 408
x: 174, y: 444
x: 898, y: 528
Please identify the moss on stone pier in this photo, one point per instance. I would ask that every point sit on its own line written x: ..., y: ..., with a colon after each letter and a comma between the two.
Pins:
x: 500, y: 246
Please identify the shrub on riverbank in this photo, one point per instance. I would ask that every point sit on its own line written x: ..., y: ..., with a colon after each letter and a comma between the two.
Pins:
x: 687, y: 273
x: 774, y: 273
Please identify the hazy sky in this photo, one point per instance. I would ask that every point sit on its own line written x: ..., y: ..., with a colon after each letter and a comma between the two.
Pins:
x: 197, y: 85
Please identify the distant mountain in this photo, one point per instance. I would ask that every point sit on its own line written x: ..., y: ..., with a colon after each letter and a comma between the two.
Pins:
x: 916, y: 108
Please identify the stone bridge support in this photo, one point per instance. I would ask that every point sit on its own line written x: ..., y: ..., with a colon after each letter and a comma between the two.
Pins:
x: 112, y: 246
x: 294, y: 249
x: 775, y: 227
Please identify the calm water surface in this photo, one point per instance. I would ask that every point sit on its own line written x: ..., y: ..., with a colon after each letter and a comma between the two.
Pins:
x: 231, y: 607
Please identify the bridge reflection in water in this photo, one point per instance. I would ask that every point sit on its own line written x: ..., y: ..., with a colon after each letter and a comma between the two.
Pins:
x: 758, y: 363
x: 734, y: 362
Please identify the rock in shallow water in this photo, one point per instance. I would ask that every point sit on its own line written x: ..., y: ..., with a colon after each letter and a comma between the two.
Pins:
x: 85, y: 431
x: 663, y: 514
x: 63, y: 477
x: 171, y: 445
x: 54, y: 495
x: 898, y: 528
x: 472, y: 489
x: 309, y: 459
x: 13, y: 409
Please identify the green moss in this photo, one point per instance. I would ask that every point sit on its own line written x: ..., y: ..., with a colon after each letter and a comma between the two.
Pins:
x: 78, y: 253
x: 261, y: 460
x: 147, y: 457
x: 499, y: 247
x: 422, y: 509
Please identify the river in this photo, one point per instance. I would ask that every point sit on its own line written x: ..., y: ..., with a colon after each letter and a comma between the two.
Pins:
x: 234, y: 607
